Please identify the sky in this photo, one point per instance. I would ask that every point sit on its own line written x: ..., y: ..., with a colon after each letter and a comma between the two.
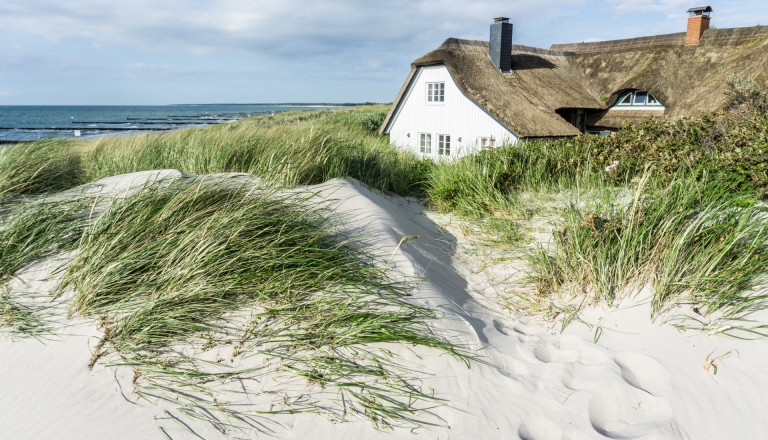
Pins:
x: 154, y: 52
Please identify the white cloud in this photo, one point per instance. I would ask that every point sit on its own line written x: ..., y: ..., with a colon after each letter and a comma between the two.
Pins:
x: 671, y: 7
x: 5, y: 93
x: 276, y: 29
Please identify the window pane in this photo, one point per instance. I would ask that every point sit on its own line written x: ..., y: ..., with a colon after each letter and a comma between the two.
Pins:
x: 627, y: 100
x: 640, y: 98
x: 652, y: 99
x: 443, y: 144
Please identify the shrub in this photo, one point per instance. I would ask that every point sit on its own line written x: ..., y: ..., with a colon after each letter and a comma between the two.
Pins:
x: 745, y: 95
x: 734, y: 148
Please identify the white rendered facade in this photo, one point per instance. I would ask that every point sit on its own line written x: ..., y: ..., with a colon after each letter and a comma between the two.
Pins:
x: 434, y: 108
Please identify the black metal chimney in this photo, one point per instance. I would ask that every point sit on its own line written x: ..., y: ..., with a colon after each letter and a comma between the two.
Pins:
x: 501, y: 44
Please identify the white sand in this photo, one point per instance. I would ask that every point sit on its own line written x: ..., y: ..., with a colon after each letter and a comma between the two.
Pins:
x: 640, y: 380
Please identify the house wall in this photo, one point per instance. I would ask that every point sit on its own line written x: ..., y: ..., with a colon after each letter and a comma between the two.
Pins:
x: 457, y: 116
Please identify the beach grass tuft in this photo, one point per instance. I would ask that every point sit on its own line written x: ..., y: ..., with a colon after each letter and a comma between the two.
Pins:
x: 37, y: 167
x: 171, y: 266
x: 696, y: 240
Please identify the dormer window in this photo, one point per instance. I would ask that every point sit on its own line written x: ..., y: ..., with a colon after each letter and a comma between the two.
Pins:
x: 626, y: 100
x: 638, y: 98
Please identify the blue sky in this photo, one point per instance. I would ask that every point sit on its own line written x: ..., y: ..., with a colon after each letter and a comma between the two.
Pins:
x: 213, y: 51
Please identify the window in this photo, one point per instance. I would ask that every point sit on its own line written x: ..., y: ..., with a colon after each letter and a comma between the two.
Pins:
x: 444, y: 145
x: 627, y: 100
x: 637, y: 98
x: 436, y: 92
x: 425, y: 143
x: 487, y: 142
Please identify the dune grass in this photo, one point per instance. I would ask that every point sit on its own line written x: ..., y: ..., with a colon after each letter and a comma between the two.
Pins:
x: 37, y: 229
x: 30, y: 231
x: 696, y: 241
x: 490, y: 181
x: 18, y: 320
x: 171, y: 266
x: 37, y: 168
x: 293, y: 148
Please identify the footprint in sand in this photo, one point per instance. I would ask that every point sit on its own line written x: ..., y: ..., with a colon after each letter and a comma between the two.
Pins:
x: 580, y: 377
x: 635, y: 408
x: 644, y: 372
x: 554, y: 350
x: 539, y: 428
x: 552, y: 353
x: 589, y: 371
x: 625, y: 412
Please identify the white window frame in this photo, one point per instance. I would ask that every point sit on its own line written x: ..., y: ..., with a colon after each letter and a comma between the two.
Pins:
x: 632, y: 95
x: 425, y: 143
x: 634, y: 98
x: 443, y: 144
x: 487, y: 142
x: 436, y: 92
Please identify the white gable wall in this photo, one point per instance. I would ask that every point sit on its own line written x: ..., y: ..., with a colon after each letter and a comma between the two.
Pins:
x: 457, y: 116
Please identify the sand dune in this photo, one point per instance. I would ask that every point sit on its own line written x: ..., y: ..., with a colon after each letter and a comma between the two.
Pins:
x: 639, y: 380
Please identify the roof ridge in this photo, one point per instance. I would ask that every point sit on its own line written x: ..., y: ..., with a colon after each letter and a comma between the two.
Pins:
x: 712, y: 35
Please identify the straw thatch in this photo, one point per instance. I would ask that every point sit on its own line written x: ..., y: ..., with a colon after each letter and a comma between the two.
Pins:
x: 523, y: 101
x: 687, y: 79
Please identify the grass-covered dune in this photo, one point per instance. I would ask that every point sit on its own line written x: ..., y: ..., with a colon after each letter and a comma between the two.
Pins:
x: 697, y: 166
x: 221, y: 262
x: 238, y: 261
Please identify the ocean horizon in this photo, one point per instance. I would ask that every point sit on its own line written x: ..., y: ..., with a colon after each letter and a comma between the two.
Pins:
x: 33, y: 122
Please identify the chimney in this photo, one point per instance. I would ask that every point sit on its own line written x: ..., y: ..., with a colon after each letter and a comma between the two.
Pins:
x: 698, y: 22
x: 501, y: 44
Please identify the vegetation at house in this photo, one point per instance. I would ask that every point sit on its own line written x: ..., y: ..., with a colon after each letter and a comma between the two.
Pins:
x: 675, y: 205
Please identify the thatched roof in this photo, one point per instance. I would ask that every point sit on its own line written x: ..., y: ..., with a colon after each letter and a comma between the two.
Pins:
x: 524, y: 101
x: 687, y: 79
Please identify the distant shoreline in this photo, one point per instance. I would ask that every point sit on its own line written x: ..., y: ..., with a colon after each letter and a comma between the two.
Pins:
x: 31, y: 122
x: 276, y: 104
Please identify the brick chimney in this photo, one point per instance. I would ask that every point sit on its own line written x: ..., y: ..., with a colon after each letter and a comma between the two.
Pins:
x: 500, y: 49
x: 698, y: 22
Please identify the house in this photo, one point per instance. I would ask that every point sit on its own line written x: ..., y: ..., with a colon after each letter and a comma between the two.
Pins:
x: 469, y: 95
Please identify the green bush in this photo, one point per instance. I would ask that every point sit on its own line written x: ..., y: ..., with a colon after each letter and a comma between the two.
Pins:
x: 732, y: 147
x: 745, y: 95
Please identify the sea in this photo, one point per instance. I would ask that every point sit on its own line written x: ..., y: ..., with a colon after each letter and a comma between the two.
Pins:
x: 32, y: 122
